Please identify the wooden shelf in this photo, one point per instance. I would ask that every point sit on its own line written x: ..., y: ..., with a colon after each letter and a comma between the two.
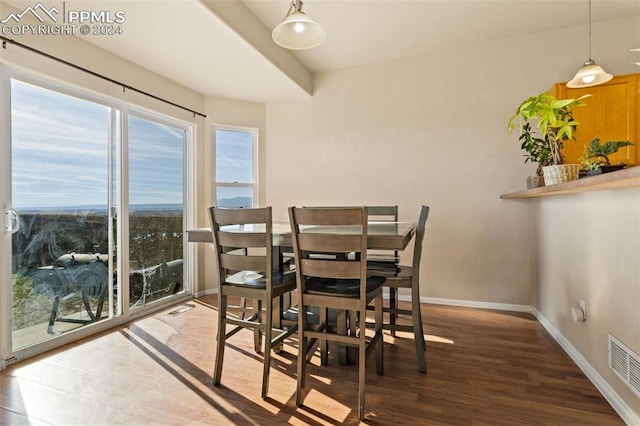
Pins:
x: 625, y: 178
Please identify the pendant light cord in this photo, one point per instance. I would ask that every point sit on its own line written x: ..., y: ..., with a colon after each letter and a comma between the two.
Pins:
x: 589, y: 33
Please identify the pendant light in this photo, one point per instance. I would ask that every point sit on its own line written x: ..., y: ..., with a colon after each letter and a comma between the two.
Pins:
x: 635, y: 50
x: 590, y: 74
x: 297, y: 31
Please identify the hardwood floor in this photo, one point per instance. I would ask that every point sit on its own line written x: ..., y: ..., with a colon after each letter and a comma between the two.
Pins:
x: 484, y: 368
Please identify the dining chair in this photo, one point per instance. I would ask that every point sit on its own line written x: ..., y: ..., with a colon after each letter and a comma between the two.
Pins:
x: 334, y: 282
x: 409, y: 277
x: 245, y: 268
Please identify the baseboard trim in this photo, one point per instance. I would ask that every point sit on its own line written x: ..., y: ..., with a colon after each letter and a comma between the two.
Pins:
x: 473, y: 304
x: 618, y: 404
x: 207, y: 292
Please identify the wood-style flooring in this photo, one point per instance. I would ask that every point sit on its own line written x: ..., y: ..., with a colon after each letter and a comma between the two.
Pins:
x: 484, y: 368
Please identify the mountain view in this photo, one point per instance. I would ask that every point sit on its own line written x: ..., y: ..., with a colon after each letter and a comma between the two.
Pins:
x: 245, y: 202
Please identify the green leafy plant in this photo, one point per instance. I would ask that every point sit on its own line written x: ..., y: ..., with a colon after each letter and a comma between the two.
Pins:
x: 587, y: 162
x: 537, y: 149
x: 555, y: 124
x: 600, y: 152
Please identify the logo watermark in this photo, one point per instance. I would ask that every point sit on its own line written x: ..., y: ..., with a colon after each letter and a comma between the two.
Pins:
x: 60, y: 21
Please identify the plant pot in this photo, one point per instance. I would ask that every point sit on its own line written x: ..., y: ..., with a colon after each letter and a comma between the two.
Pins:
x: 587, y: 173
x: 535, y: 181
x: 612, y: 167
x: 602, y: 169
x: 560, y: 173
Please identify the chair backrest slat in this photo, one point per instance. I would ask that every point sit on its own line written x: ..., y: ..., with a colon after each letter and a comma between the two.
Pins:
x: 241, y: 239
x: 330, y: 268
x: 240, y: 216
x: 242, y: 251
x: 236, y: 262
x: 327, y: 216
x: 335, y: 243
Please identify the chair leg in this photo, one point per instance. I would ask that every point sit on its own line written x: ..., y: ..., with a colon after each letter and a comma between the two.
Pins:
x: 393, y: 305
x: 362, y: 359
x: 424, y: 341
x: 379, y: 326
x: 323, y: 343
x: 341, y: 325
x: 418, y: 333
x: 243, y: 306
x: 257, y: 333
x: 353, y: 322
x: 302, y: 356
x: 222, y: 326
x: 267, y: 346
x: 54, y: 313
x: 277, y: 310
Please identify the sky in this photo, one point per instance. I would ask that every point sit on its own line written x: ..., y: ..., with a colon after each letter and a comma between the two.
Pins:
x: 234, y: 156
x: 234, y: 163
x: 60, y: 153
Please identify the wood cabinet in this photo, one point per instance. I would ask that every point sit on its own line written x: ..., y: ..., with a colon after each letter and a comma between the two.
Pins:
x: 612, y: 113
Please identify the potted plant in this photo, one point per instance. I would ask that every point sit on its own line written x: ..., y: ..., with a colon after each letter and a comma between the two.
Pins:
x: 554, y: 125
x: 589, y: 167
x: 595, y: 159
x: 537, y: 152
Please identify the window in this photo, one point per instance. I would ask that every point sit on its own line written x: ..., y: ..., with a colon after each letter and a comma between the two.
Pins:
x: 235, y: 166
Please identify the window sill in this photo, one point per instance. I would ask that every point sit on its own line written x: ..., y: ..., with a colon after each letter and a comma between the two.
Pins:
x: 626, y: 178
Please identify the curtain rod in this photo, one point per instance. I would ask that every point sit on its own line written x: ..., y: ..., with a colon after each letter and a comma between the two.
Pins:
x: 95, y: 74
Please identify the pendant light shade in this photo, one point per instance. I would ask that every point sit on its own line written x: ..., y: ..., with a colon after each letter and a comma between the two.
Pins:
x: 297, y: 31
x: 590, y: 74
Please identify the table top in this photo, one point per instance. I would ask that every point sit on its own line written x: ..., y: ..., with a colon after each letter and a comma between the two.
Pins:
x: 380, y: 236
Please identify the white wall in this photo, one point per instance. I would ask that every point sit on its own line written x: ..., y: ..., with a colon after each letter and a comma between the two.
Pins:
x: 428, y: 130
x: 432, y: 129
x: 588, y: 247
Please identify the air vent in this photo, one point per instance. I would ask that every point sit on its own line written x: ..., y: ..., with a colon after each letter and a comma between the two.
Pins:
x: 625, y: 363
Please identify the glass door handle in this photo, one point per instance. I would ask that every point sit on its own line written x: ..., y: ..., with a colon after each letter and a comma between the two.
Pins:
x: 11, y: 220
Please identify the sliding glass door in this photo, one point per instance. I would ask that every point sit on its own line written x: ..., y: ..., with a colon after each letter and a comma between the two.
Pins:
x: 156, y: 205
x: 60, y: 265
x: 95, y: 208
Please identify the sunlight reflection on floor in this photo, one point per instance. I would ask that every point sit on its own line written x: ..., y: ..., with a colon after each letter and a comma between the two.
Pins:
x: 428, y: 337
x: 329, y: 407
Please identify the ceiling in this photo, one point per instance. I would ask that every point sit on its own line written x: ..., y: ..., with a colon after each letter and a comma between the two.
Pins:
x: 367, y: 31
x: 186, y: 40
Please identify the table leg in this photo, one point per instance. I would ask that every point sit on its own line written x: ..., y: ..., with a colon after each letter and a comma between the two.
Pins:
x: 341, y: 324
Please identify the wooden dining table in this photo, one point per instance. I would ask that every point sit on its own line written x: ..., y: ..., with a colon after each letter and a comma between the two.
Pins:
x: 381, y: 235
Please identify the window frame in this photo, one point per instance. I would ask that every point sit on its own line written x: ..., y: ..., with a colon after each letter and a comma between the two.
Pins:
x: 254, y: 162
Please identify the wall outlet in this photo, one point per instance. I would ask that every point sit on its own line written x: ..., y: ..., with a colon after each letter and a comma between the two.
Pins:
x: 583, y: 306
